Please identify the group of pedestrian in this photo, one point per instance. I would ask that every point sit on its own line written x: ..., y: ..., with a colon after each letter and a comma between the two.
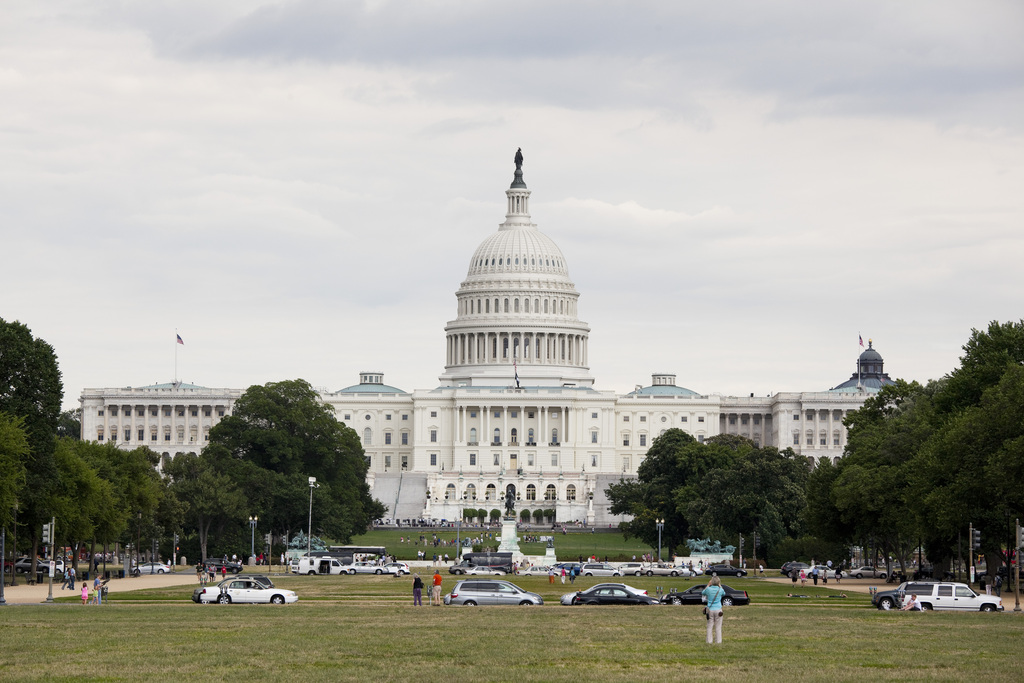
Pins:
x: 92, y: 594
x: 435, y: 590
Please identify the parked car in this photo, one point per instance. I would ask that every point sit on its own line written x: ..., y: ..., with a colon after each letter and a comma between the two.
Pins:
x: 692, y: 596
x: 238, y: 589
x: 370, y: 568
x: 788, y: 568
x: 634, y: 568
x: 154, y: 568
x: 609, y: 594
x: 599, y: 569
x: 483, y: 571
x: 399, y: 567
x: 216, y: 565
x: 662, y: 569
x: 823, y: 571
x: 724, y: 570
x: 538, y: 570
x: 322, y: 565
x: 865, y: 571
x: 490, y: 592
x: 24, y: 565
x: 944, y: 595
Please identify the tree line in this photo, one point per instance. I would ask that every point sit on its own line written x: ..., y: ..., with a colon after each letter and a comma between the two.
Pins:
x: 257, y: 464
x: 921, y: 463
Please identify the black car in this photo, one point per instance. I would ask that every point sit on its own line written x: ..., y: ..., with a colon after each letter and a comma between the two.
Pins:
x: 609, y: 594
x: 692, y: 596
x: 789, y: 567
x: 216, y: 565
x: 724, y: 570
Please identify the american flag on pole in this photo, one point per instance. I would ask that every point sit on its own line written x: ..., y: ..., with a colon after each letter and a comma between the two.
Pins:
x: 516, y: 368
x: 859, y: 338
x: 183, y: 343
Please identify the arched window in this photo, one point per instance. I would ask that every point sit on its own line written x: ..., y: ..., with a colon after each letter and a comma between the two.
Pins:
x: 545, y: 305
x: 497, y: 435
x: 513, y: 435
x: 529, y: 436
x: 526, y: 305
x: 490, y: 492
x: 515, y: 305
x: 504, y: 347
x: 554, y: 435
x: 471, y: 491
x: 531, y: 492
x: 496, y: 308
x: 506, y: 305
x: 472, y: 434
x: 488, y: 302
x: 570, y: 492
x: 549, y: 493
x: 367, y: 437
x: 449, y: 492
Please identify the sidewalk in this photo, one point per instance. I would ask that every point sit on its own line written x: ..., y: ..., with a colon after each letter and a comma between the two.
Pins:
x: 24, y: 594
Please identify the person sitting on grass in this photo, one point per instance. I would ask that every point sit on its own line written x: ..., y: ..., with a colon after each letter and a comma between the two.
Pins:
x: 912, y: 605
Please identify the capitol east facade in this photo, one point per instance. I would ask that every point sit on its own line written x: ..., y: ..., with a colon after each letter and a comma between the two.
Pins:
x: 516, y: 409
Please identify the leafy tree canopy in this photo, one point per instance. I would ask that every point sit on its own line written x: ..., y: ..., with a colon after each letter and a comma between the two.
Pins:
x: 279, y: 435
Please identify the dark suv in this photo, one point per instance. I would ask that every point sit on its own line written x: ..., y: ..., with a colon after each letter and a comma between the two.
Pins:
x: 215, y: 564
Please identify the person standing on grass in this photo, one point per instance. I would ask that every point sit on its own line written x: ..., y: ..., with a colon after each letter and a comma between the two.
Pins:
x: 98, y: 587
x: 803, y: 578
x: 417, y: 590
x: 435, y: 594
x: 85, y: 592
x: 714, y: 593
x: 563, y: 575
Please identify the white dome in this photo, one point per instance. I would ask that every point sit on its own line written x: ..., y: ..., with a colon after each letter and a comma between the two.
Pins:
x: 522, y: 249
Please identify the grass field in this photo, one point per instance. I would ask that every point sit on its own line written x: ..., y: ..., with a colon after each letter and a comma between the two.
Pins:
x: 568, y: 546
x: 364, y: 628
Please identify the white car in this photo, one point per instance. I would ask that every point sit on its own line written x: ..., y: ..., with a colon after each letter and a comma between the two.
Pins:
x: 370, y: 568
x: 662, y: 569
x: 154, y: 568
x: 634, y: 568
x: 865, y: 571
x: 484, y: 571
x: 399, y: 567
x: 243, y: 590
x: 599, y: 569
x: 538, y: 570
x: 823, y: 570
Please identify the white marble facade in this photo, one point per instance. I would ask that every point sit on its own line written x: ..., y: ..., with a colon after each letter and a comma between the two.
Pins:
x: 516, y: 406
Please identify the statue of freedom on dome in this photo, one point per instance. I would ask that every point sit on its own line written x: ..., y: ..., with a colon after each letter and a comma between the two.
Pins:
x: 519, y: 158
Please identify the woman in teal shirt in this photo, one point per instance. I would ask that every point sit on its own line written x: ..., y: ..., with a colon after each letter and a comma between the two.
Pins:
x: 714, y: 593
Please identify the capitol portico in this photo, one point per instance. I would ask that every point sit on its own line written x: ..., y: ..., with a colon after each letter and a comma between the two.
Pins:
x: 516, y: 409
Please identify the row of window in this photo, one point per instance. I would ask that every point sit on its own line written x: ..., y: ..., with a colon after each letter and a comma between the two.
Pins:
x: 141, y: 435
x: 643, y: 418
x: 837, y: 415
x: 491, y: 492
x: 140, y: 412
x: 822, y: 438
x: 559, y: 306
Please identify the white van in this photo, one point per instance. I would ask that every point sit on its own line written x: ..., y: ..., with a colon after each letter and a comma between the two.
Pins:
x: 318, y: 565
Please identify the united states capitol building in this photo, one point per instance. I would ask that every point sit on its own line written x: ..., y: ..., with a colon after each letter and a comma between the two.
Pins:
x: 516, y: 409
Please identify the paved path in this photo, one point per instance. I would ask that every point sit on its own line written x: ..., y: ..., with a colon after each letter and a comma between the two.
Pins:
x: 24, y: 594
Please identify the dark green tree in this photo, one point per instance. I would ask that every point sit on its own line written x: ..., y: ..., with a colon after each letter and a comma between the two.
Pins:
x: 70, y: 424
x: 667, y: 480
x: 31, y: 389
x: 14, y: 451
x: 283, y: 428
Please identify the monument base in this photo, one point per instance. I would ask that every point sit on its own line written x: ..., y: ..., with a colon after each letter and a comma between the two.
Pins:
x: 549, y: 556
x: 509, y: 540
x: 708, y: 558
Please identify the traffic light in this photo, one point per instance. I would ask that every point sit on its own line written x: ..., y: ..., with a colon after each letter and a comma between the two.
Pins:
x: 46, y: 534
x: 741, y: 545
x: 175, y: 542
x: 976, y: 539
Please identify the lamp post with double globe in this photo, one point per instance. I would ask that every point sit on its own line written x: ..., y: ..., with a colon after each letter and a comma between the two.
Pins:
x: 660, y: 523
x: 309, y: 536
x: 252, y: 535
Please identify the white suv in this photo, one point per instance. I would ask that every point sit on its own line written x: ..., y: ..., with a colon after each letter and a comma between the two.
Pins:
x: 939, y: 596
x: 599, y: 569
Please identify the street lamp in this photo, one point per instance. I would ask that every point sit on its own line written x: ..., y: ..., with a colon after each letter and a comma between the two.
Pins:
x: 309, y: 536
x: 252, y: 535
x: 661, y: 525
x: 458, y: 527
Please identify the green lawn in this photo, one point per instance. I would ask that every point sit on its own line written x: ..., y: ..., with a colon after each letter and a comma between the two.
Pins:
x: 364, y: 628
x: 568, y: 546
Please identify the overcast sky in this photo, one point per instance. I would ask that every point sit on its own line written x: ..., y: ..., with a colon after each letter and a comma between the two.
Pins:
x: 296, y: 188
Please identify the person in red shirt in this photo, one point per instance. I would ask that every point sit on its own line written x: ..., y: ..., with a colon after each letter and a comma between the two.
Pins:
x: 435, y: 593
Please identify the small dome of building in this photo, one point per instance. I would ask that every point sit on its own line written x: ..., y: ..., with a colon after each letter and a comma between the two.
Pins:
x: 662, y: 384
x: 370, y: 383
x: 869, y: 375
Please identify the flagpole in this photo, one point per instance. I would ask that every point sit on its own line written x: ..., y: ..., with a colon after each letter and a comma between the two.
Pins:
x: 175, y: 354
